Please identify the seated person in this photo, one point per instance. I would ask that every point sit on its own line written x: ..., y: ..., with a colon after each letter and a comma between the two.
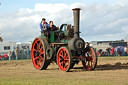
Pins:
x: 44, y: 25
x: 52, y: 27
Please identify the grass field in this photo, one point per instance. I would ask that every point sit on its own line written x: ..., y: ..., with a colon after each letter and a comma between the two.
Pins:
x: 109, y: 71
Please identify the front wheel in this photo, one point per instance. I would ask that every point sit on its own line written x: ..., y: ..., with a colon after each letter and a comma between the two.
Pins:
x: 90, y: 61
x: 64, y: 59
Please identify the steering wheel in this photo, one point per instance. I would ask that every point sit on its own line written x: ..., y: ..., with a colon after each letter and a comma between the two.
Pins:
x: 63, y: 26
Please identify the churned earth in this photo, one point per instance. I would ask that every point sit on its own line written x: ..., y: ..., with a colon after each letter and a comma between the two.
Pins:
x: 109, y: 71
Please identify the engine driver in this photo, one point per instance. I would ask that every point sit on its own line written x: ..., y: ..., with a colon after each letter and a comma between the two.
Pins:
x: 52, y: 27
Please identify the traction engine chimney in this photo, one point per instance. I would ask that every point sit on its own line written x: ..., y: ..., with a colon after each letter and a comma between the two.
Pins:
x: 76, y: 13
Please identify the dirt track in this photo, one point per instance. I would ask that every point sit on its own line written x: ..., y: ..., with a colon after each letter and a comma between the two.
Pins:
x: 109, y: 71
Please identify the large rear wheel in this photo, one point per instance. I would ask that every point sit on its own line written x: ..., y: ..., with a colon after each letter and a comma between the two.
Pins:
x: 64, y: 59
x: 38, y: 54
x: 90, y: 61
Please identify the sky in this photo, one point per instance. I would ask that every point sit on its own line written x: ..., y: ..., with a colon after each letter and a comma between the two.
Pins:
x: 100, y: 20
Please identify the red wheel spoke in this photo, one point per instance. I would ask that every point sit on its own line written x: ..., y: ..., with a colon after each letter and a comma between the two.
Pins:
x: 36, y: 58
x: 62, y: 55
x: 41, y: 56
x: 39, y: 44
x: 66, y: 66
x: 88, y: 63
x: 67, y: 62
x: 90, y: 55
x: 66, y: 59
x: 91, y: 63
x: 61, y: 59
x: 65, y: 53
x: 37, y: 61
x: 41, y: 52
x: 61, y: 62
x: 65, y: 56
x: 35, y: 50
x: 40, y: 59
x: 40, y: 63
x: 41, y: 48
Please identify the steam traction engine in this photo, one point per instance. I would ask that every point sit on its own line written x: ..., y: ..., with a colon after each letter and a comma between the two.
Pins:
x: 63, y: 46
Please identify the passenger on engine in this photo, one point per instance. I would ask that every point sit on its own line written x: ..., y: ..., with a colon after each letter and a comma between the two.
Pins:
x: 87, y: 44
x: 44, y: 25
x: 52, y: 27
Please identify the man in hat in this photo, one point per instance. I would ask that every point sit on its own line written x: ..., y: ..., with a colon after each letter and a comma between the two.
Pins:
x: 43, y: 25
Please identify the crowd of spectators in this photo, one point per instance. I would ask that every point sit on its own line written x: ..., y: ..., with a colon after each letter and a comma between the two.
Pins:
x: 111, y: 51
x: 16, y: 54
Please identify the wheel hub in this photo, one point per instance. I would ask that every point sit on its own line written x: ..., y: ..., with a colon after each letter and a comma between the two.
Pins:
x: 37, y: 53
x: 62, y: 59
x: 89, y: 59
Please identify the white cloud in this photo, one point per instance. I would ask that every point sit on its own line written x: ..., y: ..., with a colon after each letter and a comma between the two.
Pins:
x: 97, y: 22
x: 78, y: 5
x: 50, y: 8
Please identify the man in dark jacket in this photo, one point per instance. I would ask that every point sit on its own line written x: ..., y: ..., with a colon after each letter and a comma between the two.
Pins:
x: 52, y: 27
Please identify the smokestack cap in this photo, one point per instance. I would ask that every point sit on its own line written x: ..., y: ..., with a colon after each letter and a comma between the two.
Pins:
x: 75, y: 9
